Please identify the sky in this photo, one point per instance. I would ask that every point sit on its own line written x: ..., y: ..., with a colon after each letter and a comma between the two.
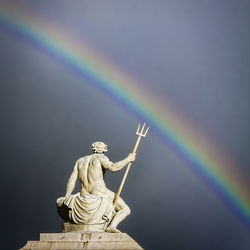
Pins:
x: 191, y: 56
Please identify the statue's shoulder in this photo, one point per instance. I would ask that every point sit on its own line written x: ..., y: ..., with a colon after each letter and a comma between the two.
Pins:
x: 83, y: 159
x: 102, y: 157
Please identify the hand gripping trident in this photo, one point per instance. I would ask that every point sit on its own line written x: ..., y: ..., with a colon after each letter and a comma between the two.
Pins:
x: 140, y: 135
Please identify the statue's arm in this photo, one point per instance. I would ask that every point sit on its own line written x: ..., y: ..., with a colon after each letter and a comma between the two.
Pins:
x: 72, y: 180
x: 118, y: 165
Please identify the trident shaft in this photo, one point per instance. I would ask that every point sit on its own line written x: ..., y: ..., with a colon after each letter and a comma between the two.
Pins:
x: 140, y: 134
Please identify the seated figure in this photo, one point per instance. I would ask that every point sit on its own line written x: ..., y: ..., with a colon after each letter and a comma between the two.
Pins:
x: 93, y: 205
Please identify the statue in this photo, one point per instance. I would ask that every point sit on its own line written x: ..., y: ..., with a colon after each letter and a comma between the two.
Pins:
x: 95, y: 207
x: 91, y: 216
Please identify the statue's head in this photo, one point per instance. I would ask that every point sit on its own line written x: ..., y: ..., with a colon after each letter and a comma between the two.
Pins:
x: 99, y: 147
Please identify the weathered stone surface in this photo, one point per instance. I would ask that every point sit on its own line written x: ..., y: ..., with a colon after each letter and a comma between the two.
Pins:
x: 68, y: 227
x: 83, y: 241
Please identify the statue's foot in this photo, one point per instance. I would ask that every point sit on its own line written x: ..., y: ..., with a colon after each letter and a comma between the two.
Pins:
x: 112, y: 230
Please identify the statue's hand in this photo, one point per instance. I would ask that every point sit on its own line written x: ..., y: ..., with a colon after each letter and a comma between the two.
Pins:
x: 131, y: 157
x: 59, y: 201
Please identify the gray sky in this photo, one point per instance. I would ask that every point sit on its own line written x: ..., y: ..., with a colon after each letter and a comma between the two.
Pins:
x: 194, y: 54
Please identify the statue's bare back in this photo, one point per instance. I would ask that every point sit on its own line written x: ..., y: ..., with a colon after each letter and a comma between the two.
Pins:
x: 90, y: 174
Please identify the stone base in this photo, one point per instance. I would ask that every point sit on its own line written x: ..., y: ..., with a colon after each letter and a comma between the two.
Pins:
x: 83, y: 241
x: 68, y: 227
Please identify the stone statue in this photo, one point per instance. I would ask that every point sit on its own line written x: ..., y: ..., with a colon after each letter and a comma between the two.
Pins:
x: 95, y: 207
x: 92, y: 208
x: 92, y: 215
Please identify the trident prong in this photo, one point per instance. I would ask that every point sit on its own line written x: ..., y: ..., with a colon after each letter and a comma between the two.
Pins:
x: 141, y: 134
x: 146, y: 132
x: 137, y: 131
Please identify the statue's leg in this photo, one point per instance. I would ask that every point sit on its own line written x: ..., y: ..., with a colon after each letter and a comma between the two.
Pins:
x: 122, y: 212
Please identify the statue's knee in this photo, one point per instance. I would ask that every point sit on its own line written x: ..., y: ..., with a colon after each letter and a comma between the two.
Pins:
x: 128, y: 210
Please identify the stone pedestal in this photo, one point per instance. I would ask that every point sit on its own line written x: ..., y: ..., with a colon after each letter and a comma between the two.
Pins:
x: 92, y: 240
x: 68, y: 227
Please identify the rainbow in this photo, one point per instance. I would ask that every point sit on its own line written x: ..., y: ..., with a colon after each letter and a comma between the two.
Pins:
x: 190, y: 144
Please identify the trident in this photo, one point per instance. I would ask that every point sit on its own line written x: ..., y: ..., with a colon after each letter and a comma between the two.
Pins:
x: 140, y: 135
